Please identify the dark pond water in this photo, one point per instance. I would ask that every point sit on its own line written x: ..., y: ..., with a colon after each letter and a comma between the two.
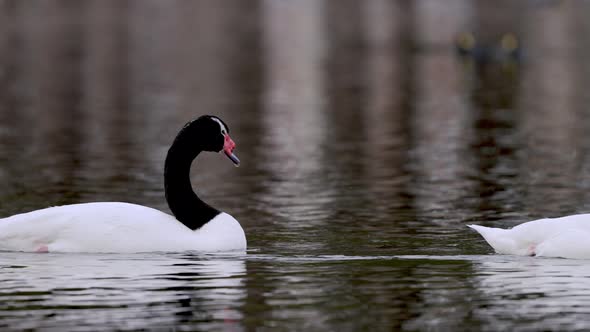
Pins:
x: 367, y: 144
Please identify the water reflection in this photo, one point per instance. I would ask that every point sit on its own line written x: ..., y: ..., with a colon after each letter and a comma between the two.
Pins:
x: 123, y: 292
x: 440, y: 124
x: 554, y: 110
x: 295, y: 128
x: 314, y: 292
x: 543, y: 292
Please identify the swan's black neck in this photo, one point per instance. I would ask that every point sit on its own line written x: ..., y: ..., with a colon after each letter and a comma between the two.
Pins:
x: 186, y: 206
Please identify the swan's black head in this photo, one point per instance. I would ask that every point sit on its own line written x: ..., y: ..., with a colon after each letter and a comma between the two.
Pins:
x: 212, y: 134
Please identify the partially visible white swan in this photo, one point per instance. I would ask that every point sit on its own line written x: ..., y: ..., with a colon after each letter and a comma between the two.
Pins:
x: 566, y: 237
x: 126, y: 228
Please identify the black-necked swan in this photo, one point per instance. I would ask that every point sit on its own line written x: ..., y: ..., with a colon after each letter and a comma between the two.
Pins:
x: 565, y: 237
x: 127, y: 228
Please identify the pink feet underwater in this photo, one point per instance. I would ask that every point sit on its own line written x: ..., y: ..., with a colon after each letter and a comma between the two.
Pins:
x: 42, y: 249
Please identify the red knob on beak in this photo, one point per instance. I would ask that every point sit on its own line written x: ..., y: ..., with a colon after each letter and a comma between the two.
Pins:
x: 228, y: 149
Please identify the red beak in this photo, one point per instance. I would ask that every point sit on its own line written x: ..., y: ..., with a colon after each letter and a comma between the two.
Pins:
x: 228, y: 149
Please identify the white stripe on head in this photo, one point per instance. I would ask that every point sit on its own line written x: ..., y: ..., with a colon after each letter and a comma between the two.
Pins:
x: 222, y: 128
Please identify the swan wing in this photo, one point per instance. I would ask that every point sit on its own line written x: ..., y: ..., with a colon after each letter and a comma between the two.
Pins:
x: 91, y: 227
x: 569, y: 243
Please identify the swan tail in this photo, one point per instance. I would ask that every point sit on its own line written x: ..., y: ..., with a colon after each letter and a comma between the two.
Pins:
x: 499, y: 239
x: 483, y: 230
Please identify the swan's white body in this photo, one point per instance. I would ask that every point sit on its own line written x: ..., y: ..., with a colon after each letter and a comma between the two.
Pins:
x: 566, y: 237
x: 115, y: 227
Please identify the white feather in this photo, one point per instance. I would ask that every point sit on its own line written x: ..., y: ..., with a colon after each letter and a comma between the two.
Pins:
x: 115, y: 227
